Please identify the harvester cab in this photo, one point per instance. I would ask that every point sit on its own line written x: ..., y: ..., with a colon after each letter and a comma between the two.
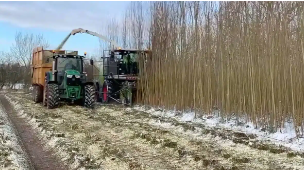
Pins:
x: 120, y: 71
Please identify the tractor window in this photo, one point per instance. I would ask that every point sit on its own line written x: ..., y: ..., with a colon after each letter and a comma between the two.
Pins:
x: 69, y: 64
x: 133, y: 57
x: 117, y: 56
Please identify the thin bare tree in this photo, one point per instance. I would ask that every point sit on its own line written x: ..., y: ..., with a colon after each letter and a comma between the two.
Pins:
x: 22, y: 49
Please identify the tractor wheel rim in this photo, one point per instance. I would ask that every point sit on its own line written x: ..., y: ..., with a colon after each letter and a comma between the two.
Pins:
x: 105, y: 90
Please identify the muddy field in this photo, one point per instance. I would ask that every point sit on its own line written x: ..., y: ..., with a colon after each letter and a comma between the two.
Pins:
x: 113, y: 137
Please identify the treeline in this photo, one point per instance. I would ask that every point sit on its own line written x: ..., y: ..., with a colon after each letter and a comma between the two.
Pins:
x: 241, y: 58
x: 10, y: 74
x: 15, y: 65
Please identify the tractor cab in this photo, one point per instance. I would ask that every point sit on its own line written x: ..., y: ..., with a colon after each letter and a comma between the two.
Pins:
x: 69, y: 68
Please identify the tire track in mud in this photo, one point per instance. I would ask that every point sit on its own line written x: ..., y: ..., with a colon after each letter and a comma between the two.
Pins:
x: 39, y: 158
x: 154, y: 153
x: 116, y: 138
x: 111, y: 145
x: 210, y: 152
x: 12, y: 151
x: 121, y: 139
x: 115, y: 144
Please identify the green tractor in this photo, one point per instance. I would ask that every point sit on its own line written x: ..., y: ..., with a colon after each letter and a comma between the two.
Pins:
x: 68, y: 82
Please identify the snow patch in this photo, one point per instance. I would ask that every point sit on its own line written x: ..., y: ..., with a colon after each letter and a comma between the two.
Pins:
x: 187, y: 117
x: 283, y: 137
x: 158, y: 123
x: 12, y: 156
x: 15, y: 86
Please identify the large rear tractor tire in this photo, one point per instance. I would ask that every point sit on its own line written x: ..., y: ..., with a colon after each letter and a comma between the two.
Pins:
x: 89, y: 96
x: 37, y: 94
x: 52, y: 96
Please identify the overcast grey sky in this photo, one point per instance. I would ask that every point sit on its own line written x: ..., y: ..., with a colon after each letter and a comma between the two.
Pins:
x: 61, y: 16
x: 56, y: 19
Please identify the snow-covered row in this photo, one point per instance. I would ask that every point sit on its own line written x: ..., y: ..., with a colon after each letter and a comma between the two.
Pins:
x: 12, y: 156
x: 286, y: 136
x: 118, y: 138
x: 16, y: 86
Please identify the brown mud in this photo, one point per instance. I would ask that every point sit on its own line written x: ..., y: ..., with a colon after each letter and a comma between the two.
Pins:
x: 39, y: 157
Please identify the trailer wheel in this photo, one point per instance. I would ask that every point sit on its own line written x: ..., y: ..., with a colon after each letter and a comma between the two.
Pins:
x: 34, y: 93
x: 52, y: 96
x: 45, y: 93
x: 89, y: 96
x: 37, y: 94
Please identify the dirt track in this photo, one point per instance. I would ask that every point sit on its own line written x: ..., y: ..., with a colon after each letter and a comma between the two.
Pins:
x: 39, y: 158
x: 117, y: 138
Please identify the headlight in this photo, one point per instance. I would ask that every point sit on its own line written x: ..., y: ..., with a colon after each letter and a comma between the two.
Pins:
x: 77, y: 76
x: 69, y: 76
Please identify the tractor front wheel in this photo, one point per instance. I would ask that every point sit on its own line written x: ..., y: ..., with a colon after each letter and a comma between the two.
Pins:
x: 52, y: 96
x: 89, y: 96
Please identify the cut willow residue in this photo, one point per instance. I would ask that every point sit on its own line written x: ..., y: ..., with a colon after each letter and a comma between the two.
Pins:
x: 243, y: 58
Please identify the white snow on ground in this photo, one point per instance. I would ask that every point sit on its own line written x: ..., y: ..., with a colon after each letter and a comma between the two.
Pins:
x: 43, y: 134
x: 184, y: 136
x: 16, y: 86
x: 284, y: 137
x: 11, y: 154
